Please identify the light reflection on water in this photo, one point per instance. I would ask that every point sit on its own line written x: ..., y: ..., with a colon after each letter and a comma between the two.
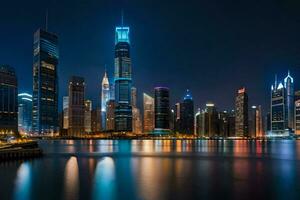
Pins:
x: 157, y: 169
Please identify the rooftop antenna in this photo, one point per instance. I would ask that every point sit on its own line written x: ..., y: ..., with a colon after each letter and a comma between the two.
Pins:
x: 47, y: 20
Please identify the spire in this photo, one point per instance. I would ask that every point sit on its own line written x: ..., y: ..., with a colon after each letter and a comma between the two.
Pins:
x: 105, y: 78
x: 287, y: 78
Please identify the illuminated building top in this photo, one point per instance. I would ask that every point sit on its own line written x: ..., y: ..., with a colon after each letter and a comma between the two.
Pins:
x: 122, y: 34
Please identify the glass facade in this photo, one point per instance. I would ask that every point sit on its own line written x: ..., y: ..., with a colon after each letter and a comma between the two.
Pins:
x: 162, y: 109
x: 241, y: 114
x: 45, y: 83
x: 123, y: 81
x: 25, y: 113
x: 8, y: 100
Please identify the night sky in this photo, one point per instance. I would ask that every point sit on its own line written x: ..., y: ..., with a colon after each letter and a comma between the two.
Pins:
x: 211, y: 47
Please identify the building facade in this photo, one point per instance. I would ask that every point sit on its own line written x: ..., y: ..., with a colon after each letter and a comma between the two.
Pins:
x: 45, y: 83
x: 87, y: 116
x: 105, y: 96
x: 136, y: 115
x: 76, y: 106
x: 24, y: 113
x: 8, y: 100
x: 123, y: 80
x: 290, y: 103
x: 187, y: 114
x: 297, y: 117
x: 241, y: 114
x: 96, y: 120
x: 148, y: 104
x: 110, y: 116
x: 278, y: 115
x: 66, y: 112
x: 162, y: 110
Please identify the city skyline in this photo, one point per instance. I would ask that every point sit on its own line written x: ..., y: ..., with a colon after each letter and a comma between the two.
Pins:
x: 203, y: 85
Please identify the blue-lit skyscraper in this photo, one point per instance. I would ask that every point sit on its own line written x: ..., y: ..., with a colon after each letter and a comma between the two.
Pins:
x: 105, y: 97
x: 162, y: 110
x: 187, y: 114
x: 289, y: 87
x: 45, y: 83
x: 24, y: 112
x: 123, y: 80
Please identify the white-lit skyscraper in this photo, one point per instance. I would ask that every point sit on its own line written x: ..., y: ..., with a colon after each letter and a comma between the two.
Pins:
x: 289, y: 87
x: 105, y: 96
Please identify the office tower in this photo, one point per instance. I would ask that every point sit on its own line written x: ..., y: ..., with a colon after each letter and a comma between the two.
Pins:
x: 231, y: 124
x: 255, y: 122
x: 96, y: 120
x: 241, y: 113
x: 289, y: 87
x: 199, y: 122
x: 177, y: 113
x: 123, y: 80
x: 45, y: 83
x: 172, y: 121
x: 110, y: 115
x: 76, y: 106
x: 148, y: 104
x: 136, y: 115
x: 187, y: 114
x: 24, y: 113
x: 279, y: 122
x: 105, y: 96
x: 8, y: 100
x: 210, y: 116
x: 112, y: 90
x: 88, y: 116
x: 223, y: 124
x: 297, y: 117
x: 161, y: 110
x: 133, y: 97
x: 65, y: 112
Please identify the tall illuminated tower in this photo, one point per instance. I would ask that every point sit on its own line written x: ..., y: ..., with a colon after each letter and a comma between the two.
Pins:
x: 105, y: 96
x: 123, y: 80
x: 241, y: 113
x: 148, y: 104
x: 45, y: 83
x: 289, y: 86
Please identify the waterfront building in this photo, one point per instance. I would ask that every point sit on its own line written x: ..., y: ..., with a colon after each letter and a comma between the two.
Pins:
x: 136, y: 115
x: 161, y: 110
x: 255, y: 122
x: 8, y: 100
x: 24, y: 113
x: 210, y: 117
x: 231, y: 123
x: 123, y: 80
x: 45, y: 83
x: 177, y: 121
x: 65, y: 112
x: 148, y: 104
x: 279, y: 120
x: 105, y: 96
x: 289, y: 87
x: 76, y: 106
x: 96, y: 120
x: 297, y: 117
x: 223, y: 125
x: 199, y: 123
x: 187, y: 114
x: 241, y: 113
x: 110, y: 116
x: 87, y: 116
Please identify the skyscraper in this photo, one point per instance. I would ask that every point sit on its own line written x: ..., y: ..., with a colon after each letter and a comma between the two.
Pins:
x: 241, y: 113
x: 105, y: 96
x: 136, y: 115
x: 8, y: 100
x: 255, y: 122
x: 162, y: 110
x: 110, y: 115
x: 297, y: 117
x: 24, y: 113
x: 210, y: 126
x: 279, y: 122
x: 148, y: 103
x: 45, y: 83
x: 123, y: 80
x: 96, y: 120
x: 88, y: 116
x: 289, y: 87
x: 76, y: 106
x: 65, y: 112
x: 199, y: 123
x: 187, y: 114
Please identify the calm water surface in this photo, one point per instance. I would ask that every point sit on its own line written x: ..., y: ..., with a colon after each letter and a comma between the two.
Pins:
x: 156, y: 169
